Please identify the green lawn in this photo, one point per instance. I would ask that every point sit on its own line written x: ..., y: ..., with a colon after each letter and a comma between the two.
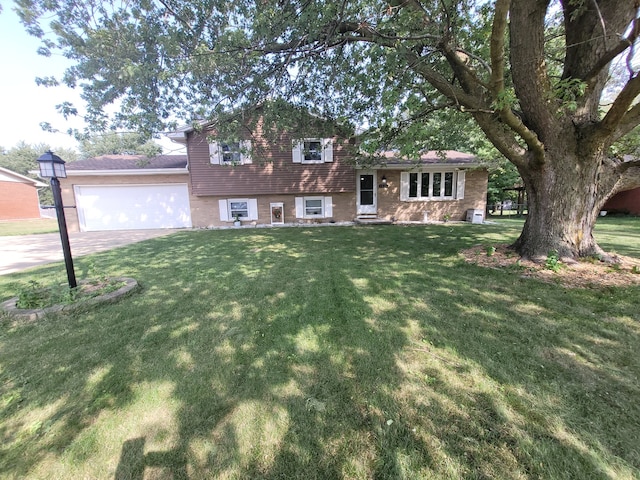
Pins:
x: 28, y: 227
x: 614, y: 233
x: 346, y: 352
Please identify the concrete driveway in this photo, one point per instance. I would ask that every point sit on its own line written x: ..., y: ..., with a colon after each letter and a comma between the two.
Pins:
x: 25, y: 251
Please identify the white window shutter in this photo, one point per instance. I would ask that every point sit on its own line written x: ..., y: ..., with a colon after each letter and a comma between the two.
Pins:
x: 460, y: 185
x: 404, y: 186
x: 327, y: 150
x: 214, y: 153
x: 246, y: 156
x: 297, y: 151
x: 252, y: 203
x: 299, y: 207
x: 224, y: 210
x: 328, y: 207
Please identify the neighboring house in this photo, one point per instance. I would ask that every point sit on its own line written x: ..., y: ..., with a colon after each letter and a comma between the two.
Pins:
x: 624, y: 202
x: 289, y: 181
x: 18, y: 196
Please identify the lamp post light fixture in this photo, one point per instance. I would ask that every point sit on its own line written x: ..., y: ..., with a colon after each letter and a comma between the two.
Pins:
x: 52, y: 166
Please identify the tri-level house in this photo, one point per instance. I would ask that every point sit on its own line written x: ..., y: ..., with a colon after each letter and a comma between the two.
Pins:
x: 254, y: 181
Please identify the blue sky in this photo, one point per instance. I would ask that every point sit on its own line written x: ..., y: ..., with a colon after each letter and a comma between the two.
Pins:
x: 23, y: 104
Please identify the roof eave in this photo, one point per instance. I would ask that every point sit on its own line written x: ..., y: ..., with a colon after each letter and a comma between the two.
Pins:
x: 36, y: 183
x: 130, y: 171
x: 413, y: 166
x: 177, y: 137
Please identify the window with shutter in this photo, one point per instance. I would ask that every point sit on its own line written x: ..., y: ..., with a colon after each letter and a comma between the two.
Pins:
x: 437, y: 185
x: 312, y: 150
x: 230, y: 153
x: 240, y: 208
x: 314, y: 207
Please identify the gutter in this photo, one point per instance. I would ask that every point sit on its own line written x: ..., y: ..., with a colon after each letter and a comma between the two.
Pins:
x: 131, y: 171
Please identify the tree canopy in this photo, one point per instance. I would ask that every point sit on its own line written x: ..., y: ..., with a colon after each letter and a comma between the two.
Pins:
x: 118, y: 144
x: 535, y: 77
x: 22, y: 159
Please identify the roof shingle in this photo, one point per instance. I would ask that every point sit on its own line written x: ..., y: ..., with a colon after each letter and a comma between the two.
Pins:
x: 129, y: 162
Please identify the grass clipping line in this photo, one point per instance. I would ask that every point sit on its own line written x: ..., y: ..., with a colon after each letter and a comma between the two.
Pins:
x: 587, y: 273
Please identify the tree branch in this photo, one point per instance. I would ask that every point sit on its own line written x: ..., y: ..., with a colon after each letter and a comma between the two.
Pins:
x: 497, y: 46
x: 497, y: 80
x: 620, y: 106
x: 440, y: 83
x: 629, y: 175
x: 621, y: 46
x: 630, y: 121
x: 502, y: 138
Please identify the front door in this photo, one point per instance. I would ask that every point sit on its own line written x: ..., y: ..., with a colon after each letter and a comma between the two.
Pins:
x: 367, y: 193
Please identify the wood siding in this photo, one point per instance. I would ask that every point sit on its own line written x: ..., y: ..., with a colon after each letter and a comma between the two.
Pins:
x: 272, y: 172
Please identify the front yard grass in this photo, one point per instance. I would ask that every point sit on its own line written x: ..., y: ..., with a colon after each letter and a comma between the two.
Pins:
x: 347, y: 352
x: 28, y: 227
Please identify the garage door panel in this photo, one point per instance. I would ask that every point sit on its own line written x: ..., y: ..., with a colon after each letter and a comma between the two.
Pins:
x: 133, y: 207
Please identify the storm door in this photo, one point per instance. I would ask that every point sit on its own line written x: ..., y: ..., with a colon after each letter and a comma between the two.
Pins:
x: 367, y: 193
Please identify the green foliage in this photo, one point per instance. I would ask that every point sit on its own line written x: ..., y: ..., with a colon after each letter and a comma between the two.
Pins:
x: 502, y: 175
x: 34, y: 295
x: 505, y: 99
x: 569, y: 91
x: 553, y: 262
x: 627, y: 145
x: 349, y: 60
x: 23, y: 157
x: 118, y: 144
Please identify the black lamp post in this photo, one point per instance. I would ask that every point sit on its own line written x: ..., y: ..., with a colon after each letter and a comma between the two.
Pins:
x: 52, y: 166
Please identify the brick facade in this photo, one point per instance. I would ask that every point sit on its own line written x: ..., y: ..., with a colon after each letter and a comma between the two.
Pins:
x: 390, y: 207
x: 205, y: 212
x: 18, y: 201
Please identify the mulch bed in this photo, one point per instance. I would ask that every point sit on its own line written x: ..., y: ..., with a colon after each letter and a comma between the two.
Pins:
x: 583, y: 274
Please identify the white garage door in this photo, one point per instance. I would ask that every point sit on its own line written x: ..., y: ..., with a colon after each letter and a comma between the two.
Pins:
x: 132, y: 207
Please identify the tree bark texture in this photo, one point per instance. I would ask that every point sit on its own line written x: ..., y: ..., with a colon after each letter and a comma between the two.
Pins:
x: 567, y: 176
x: 564, y: 204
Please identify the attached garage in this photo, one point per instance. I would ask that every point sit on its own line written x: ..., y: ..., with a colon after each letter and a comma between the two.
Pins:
x: 127, y: 192
x: 132, y: 207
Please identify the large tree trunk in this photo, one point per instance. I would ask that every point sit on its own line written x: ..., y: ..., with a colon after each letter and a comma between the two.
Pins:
x: 564, y: 204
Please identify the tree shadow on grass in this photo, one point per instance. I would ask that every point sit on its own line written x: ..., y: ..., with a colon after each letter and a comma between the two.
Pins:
x: 311, y: 353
